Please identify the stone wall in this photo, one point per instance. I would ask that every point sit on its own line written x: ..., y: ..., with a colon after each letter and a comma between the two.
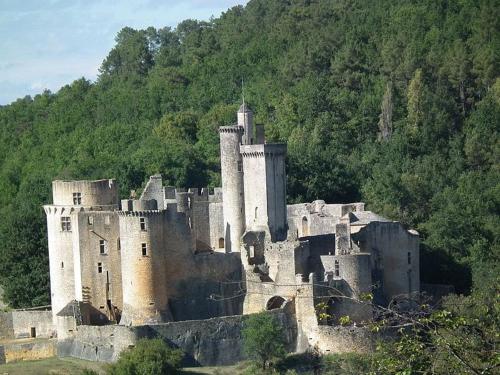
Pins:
x: 211, y: 342
x: 339, y: 339
x: 6, y: 326
x: 21, y: 324
x: 27, y: 350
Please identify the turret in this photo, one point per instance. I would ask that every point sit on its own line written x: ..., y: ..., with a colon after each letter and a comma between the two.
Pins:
x: 245, y: 120
x: 232, y: 185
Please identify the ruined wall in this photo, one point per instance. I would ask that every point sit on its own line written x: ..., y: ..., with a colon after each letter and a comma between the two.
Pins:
x: 154, y: 191
x: 318, y: 218
x: 93, y: 193
x: 389, y: 244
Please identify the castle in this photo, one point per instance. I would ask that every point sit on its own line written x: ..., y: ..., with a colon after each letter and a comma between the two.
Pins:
x: 178, y: 255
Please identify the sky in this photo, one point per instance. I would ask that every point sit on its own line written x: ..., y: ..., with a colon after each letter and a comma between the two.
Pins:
x: 46, y: 44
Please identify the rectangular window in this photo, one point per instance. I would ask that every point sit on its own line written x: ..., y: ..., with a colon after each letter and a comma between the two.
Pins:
x: 65, y: 223
x: 240, y: 166
x: 77, y: 199
x: 91, y: 220
x: 99, y: 267
x: 409, y: 257
x: 337, y: 268
x: 118, y: 244
x: 144, y: 249
x: 142, y: 220
x: 62, y: 264
x: 103, y: 247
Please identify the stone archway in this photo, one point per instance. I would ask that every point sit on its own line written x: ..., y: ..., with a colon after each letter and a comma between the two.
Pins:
x: 275, y: 302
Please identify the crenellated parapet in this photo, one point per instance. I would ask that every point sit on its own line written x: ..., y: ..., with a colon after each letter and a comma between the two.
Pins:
x: 261, y: 150
x: 232, y: 129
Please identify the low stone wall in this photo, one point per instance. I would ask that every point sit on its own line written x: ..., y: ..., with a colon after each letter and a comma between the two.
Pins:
x: 27, y: 350
x: 25, y: 324
x: 6, y: 326
x: 210, y: 342
x: 339, y: 339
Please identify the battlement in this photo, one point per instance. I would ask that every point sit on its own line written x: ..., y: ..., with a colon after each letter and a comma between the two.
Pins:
x: 231, y: 129
x: 141, y: 213
x: 196, y: 194
x: 261, y: 150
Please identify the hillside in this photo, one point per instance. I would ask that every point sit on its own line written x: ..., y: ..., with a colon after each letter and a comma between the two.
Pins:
x: 393, y: 103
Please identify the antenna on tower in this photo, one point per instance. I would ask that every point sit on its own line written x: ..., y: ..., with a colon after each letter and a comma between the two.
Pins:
x: 244, y: 108
x: 243, y: 91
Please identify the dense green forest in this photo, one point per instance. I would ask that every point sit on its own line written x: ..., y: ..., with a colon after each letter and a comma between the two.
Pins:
x: 393, y: 103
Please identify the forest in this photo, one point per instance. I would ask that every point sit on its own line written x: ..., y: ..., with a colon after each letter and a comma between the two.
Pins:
x: 396, y: 104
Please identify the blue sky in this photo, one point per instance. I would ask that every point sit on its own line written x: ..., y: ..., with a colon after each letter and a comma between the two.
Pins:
x: 46, y: 44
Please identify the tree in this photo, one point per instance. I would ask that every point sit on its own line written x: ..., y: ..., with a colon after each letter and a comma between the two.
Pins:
x: 263, y: 338
x: 149, y: 356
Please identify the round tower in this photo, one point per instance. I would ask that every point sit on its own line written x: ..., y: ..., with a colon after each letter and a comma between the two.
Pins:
x: 232, y: 186
x: 69, y: 198
x: 143, y: 259
x: 355, y: 270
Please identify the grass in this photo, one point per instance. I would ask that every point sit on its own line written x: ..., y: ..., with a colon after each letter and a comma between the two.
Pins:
x: 51, y: 366
x: 73, y: 366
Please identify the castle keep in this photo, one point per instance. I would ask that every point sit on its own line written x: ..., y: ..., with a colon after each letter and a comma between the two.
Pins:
x: 179, y: 255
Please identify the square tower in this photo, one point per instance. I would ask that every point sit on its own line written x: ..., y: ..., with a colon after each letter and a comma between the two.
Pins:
x: 265, y: 188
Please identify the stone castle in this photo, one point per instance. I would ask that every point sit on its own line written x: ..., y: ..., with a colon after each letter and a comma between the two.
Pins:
x: 192, y: 254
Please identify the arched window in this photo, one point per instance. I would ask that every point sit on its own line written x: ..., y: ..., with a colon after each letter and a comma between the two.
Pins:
x: 256, y: 212
x: 305, y: 227
x: 221, y: 243
x: 275, y: 302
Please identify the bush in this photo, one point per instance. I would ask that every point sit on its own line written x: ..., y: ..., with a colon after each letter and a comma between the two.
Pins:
x: 263, y: 338
x: 148, y: 357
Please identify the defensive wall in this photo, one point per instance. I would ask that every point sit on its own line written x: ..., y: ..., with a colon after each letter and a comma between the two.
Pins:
x: 210, y: 342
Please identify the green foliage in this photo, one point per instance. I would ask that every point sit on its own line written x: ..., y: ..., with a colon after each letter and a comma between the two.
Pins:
x: 393, y: 103
x: 263, y: 338
x: 149, y: 356
x: 462, y: 338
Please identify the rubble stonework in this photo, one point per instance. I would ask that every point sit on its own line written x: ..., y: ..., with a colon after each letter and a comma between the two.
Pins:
x: 186, y: 254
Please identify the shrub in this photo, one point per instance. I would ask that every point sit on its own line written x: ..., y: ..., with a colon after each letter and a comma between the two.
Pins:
x: 148, y: 357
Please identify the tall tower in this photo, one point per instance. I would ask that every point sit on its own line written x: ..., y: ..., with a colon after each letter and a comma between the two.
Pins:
x: 232, y: 185
x: 265, y: 188
x: 143, y: 263
x: 245, y: 120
